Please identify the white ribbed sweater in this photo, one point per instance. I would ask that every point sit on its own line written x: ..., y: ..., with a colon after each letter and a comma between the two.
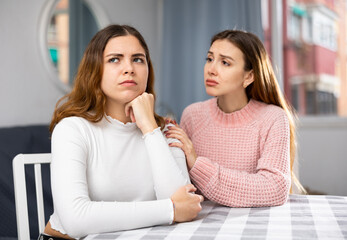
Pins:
x: 107, y: 176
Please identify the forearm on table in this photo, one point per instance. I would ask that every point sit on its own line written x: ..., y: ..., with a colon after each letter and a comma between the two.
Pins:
x: 237, y: 188
x: 85, y: 217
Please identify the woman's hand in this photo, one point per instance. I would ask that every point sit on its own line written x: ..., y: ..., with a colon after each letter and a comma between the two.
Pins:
x: 187, y: 204
x: 141, y: 111
x: 185, y: 144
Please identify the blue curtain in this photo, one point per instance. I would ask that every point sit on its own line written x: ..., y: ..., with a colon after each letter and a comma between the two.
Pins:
x: 187, y: 29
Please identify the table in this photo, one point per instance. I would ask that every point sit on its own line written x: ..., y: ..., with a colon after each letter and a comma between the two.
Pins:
x: 302, y: 217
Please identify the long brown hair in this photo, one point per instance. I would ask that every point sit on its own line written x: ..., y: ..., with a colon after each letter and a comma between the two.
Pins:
x: 86, y: 98
x: 265, y: 87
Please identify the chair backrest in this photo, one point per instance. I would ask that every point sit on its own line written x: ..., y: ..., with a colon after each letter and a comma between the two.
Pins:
x: 22, y: 216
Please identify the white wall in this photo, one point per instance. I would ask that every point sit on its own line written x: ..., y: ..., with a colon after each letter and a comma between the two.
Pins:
x: 322, y: 154
x: 29, y: 88
x: 27, y: 94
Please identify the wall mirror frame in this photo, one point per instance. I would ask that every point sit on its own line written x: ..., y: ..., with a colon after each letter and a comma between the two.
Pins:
x: 48, y: 9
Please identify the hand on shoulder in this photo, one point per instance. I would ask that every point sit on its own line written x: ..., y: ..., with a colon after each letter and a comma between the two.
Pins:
x: 184, y: 143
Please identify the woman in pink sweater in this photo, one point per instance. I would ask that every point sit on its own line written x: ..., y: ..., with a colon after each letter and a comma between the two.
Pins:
x: 239, y: 145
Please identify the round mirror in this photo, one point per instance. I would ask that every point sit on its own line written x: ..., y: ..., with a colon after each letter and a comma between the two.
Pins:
x: 71, y: 26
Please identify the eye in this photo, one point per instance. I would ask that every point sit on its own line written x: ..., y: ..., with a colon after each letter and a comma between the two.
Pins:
x: 209, y: 59
x: 225, y: 63
x: 139, y: 60
x: 113, y: 60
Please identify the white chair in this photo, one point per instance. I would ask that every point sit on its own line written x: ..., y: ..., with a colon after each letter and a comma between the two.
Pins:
x: 22, y: 216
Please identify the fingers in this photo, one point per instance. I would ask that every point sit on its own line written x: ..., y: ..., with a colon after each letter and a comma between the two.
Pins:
x: 141, y: 99
x: 190, y: 188
x: 145, y: 97
x: 173, y: 133
x: 176, y: 127
x: 179, y: 137
x: 201, y: 197
x: 132, y: 116
x: 127, y: 109
x: 176, y: 144
x: 185, y: 143
x: 170, y: 120
x: 188, y: 204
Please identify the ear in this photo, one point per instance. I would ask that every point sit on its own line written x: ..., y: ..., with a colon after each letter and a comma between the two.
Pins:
x: 249, y: 78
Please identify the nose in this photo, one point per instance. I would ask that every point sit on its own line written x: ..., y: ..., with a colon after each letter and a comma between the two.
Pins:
x: 128, y: 68
x: 211, y: 68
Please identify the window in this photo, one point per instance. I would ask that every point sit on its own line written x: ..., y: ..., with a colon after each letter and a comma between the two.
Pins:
x: 294, y: 27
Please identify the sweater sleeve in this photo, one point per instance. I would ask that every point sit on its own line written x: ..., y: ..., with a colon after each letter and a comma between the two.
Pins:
x: 78, y: 214
x: 269, y: 186
x: 168, y: 164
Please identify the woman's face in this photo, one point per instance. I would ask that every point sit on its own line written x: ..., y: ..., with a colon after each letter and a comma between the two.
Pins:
x: 125, y: 70
x: 224, y: 72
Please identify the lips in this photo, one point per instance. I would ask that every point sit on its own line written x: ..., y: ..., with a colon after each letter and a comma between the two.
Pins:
x: 128, y: 83
x: 211, y: 82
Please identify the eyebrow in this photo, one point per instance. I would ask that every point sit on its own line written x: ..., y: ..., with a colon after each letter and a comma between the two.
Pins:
x: 122, y: 55
x: 223, y: 56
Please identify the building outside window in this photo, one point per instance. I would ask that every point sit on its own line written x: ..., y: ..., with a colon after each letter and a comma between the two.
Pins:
x: 315, y: 58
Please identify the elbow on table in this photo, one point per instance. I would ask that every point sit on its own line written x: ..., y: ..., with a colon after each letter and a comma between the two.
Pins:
x: 277, y: 190
x: 281, y: 195
x: 77, y: 225
x: 282, y: 199
x: 76, y: 229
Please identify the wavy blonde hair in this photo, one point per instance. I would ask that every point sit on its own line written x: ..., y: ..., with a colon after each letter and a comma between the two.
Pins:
x: 86, y: 99
x: 265, y: 87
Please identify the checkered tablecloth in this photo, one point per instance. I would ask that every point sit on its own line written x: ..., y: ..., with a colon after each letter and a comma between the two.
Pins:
x: 302, y: 217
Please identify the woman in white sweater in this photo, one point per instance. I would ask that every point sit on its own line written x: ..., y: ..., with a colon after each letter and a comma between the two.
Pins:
x: 112, y: 168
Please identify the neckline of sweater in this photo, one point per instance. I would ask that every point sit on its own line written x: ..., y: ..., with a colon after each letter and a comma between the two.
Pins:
x: 115, y: 123
x: 244, y: 116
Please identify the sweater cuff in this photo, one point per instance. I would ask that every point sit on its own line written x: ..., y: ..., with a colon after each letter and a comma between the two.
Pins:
x: 152, y: 133
x: 202, y: 172
x: 172, y: 214
x: 170, y: 208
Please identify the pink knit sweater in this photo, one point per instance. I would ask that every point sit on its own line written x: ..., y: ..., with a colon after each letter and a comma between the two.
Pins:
x: 243, y: 157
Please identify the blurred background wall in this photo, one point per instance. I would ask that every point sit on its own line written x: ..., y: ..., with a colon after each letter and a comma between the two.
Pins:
x: 310, y: 35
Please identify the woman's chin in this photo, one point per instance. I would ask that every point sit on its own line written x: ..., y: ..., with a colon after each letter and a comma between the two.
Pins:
x: 211, y: 93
